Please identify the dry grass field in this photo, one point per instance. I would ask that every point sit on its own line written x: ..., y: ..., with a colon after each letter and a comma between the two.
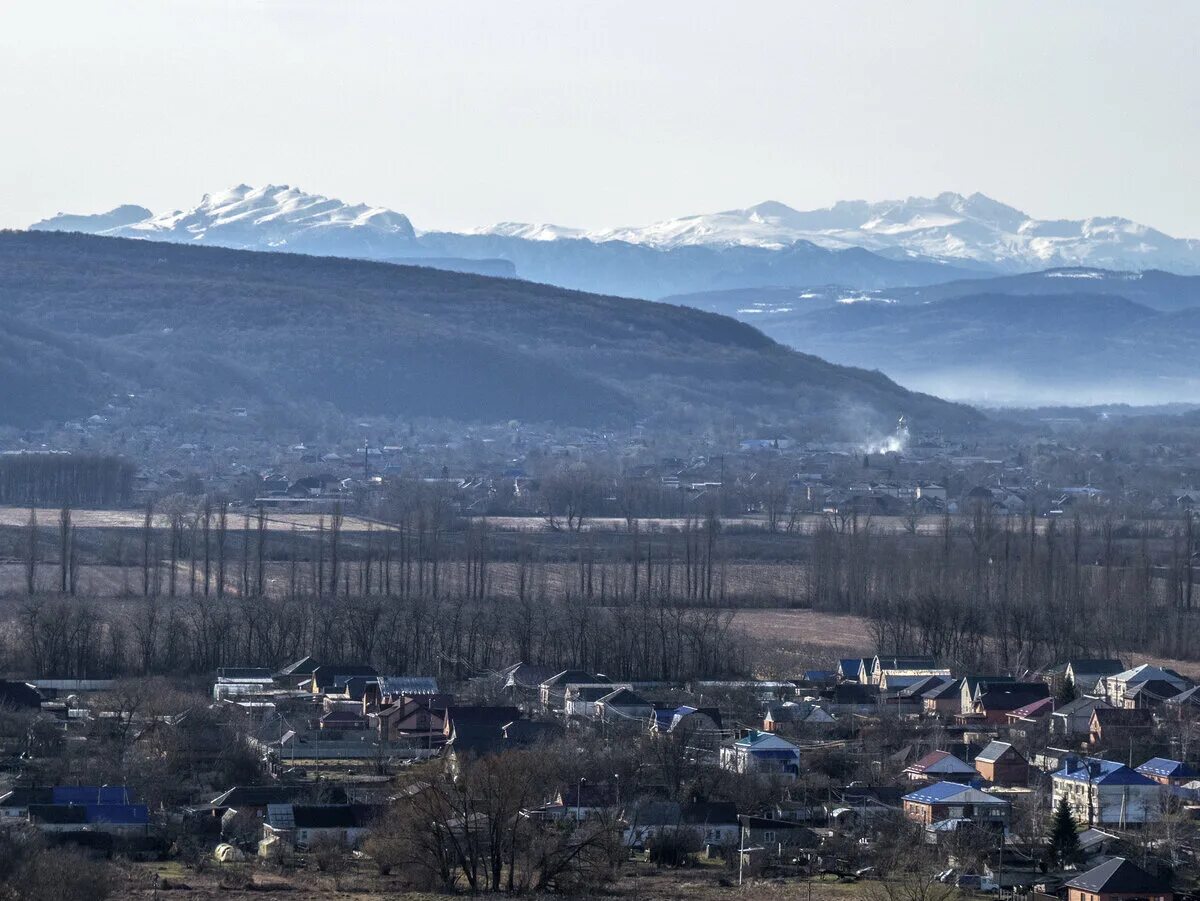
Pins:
x: 18, y: 517
x: 706, y: 881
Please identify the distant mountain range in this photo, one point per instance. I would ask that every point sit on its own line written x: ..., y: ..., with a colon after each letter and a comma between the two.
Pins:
x: 949, y: 228
x: 83, y: 317
x: 870, y: 262
x: 283, y: 218
x: 1065, y: 336
x: 939, y: 238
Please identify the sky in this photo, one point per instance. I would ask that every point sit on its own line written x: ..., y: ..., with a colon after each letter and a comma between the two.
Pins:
x: 601, y: 113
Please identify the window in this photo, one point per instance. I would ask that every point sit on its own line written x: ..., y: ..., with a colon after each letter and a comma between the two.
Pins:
x: 768, y: 836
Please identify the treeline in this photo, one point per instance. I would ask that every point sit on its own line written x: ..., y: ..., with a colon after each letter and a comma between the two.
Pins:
x: 421, y: 594
x: 1018, y: 590
x: 422, y: 590
x: 57, y: 479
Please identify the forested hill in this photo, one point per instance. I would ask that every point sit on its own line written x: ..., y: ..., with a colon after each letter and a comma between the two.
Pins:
x: 85, y: 316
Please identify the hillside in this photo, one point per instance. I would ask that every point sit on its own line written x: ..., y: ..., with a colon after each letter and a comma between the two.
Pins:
x: 189, y: 325
x: 1077, y: 348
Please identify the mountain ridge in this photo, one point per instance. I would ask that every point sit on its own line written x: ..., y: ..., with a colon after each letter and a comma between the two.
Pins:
x: 185, y: 324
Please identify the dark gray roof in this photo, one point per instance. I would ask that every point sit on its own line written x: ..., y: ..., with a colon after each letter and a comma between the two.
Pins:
x: 576, y: 676
x: 994, y: 751
x: 1081, y: 705
x: 245, y: 673
x: 1119, y: 876
x: 331, y: 816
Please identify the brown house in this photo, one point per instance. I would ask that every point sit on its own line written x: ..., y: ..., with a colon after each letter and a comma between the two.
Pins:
x: 1118, y: 880
x: 1002, y: 764
x: 415, y: 718
x: 1115, y: 725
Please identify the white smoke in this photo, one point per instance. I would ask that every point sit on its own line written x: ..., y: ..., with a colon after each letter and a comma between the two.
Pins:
x: 895, y: 443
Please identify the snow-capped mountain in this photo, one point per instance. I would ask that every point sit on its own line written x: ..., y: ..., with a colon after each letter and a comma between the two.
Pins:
x: 949, y: 227
x: 276, y: 217
x: 93, y: 223
x: 856, y: 244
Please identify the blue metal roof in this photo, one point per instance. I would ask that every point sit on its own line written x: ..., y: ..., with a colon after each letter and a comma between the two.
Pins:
x: 89, y: 794
x: 1161, y: 766
x: 944, y: 792
x: 121, y: 814
x: 1101, y: 772
x: 938, y: 791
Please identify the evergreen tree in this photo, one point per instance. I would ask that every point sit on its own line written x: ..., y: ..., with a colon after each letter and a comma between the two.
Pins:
x: 1064, y: 836
x: 1067, y: 693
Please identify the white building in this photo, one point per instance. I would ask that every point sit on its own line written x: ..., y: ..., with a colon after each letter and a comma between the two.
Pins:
x: 762, y: 753
x: 1106, y: 793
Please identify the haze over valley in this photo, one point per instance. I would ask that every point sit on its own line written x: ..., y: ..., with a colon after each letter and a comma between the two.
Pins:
x: 1013, y: 310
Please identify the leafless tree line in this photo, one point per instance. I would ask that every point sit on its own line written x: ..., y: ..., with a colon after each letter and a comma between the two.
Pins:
x: 1014, y: 589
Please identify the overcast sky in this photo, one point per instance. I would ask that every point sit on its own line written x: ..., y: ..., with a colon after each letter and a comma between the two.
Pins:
x: 602, y: 113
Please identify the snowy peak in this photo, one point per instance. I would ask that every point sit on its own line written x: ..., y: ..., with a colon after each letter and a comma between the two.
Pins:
x: 275, y: 216
x: 970, y: 230
x: 950, y: 227
x: 94, y: 223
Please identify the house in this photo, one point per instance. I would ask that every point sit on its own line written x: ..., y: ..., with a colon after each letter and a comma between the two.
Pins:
x: 1150, y: 694
x: 916, y: 665
x: 908, y: 684
x: 1117, y: 725
x: 490, y: 732
x: 420, y: 719
x: 19, y: 695
x: 951, y: 801
x: 252, y: 801
x: 580, y: 700
x: 14, y: 804
x: 526, y: 678
x: 1094, y: 842
x: 761, y: 753
x: 580, y: 800
x: 1084, y: 673
x: 1106, y: 793
x: 816, y: 679
x: 1186, y: 703
x: 995, y: 701
x: 1114, y: 688
x: 390, y: 688
x: 1075, y: 718
x: 696, y: 722
x: 938, y: 766
x: 237, y: 681
x: 297, y: 673
x: 89, y: 808
x: 776, y: 836
x: 303, y: 825
x: 1032, y: 714
x: 1002, y: 764
x: 924, y: 685
x: 333, y: 677
x: 852, y: 668
x: 340, y: 719
x: 623, y: 705
x: 1118, y: 879
x: 851, y: 697
x: 944, y: 699
x: 973, y: 686
x: 1168, y: 772
x: 256, y: 798
x: 705, y: 822
x: 469, y: 717
x: 791, y: 712
x: 552, y: 692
